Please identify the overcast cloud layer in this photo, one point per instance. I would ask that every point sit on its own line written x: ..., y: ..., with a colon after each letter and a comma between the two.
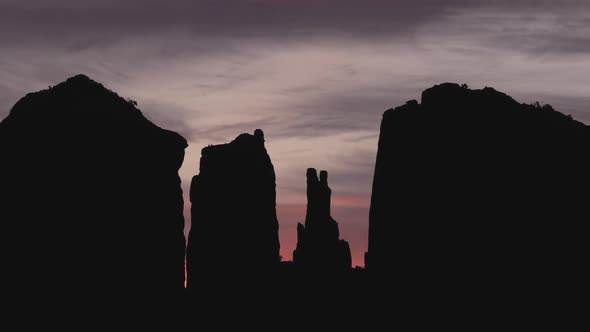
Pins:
x: 314, y: 75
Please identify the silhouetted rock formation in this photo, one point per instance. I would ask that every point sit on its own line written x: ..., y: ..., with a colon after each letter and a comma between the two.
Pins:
x: 319, y: 247
x: 234, y: 222
x: 471, y: 184
x: 90, y: 194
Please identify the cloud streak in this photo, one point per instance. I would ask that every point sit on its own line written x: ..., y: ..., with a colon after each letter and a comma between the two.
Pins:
x: 84, y: 24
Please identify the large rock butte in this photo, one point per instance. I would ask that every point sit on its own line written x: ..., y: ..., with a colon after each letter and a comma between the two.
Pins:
x: 471, y: 184
x: 319, y: 247
x: 234, y: 229
x: 90, y: 194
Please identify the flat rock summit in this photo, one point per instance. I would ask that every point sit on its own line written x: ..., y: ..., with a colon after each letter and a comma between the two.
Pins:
x: 472, y: 186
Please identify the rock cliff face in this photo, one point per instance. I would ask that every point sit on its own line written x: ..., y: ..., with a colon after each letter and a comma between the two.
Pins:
x: 319, y: 247
x: 471, y: 183
x: 234, y: 222
x: 90, y: 194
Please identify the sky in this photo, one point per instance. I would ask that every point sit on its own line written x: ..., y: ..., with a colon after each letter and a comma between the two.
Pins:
x: 315, y: 75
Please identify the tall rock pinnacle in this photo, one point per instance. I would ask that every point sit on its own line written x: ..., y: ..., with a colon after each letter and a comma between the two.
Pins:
x: 234, y: 222
x: 319, y: 247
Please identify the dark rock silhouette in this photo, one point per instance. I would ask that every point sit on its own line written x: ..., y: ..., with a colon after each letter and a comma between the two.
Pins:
x: 90, y: 194
x: 234, y: 222
x: 471, y: 185
x: 319, y: 247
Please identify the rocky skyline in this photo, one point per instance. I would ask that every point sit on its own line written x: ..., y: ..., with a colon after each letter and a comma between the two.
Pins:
x: 472, y: 190
x: 315, y: 75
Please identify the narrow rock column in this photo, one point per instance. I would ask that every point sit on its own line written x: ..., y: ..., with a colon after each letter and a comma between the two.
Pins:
x: 318, y: 243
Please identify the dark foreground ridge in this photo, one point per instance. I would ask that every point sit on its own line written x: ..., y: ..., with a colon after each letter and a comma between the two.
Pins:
x: 234, y: 222
x: 472, y: 187
x: 90, y: 192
